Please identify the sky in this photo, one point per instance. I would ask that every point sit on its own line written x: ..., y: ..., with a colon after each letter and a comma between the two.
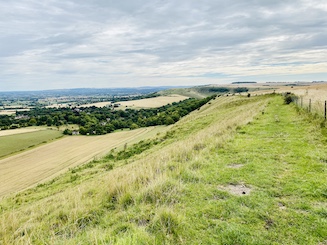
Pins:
x: 55, y: 44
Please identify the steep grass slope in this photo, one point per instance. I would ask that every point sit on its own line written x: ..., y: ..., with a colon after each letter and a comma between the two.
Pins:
x: 238, y: 171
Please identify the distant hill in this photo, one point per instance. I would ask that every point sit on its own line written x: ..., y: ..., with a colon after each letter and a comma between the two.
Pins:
x: 243, y: 82
x: 204, y: 91
x: 86, y: 92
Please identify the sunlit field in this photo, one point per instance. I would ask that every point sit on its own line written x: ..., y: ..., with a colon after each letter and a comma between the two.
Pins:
x: 17, y: 140
x: 33, y: 166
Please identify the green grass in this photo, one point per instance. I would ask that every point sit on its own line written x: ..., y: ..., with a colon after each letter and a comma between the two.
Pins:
x: 176, y: 192
x: 282, y: 156
x: 19, y: 142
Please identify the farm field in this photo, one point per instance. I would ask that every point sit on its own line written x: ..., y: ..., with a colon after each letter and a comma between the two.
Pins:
x: 17, y: 140
x: 143, y: 103
x: 316, y: 93
x: 47, y: 161
x: 98, y: 104
x: 20, y: 131
x: 8, y: 112
x: 11, y: 112
x: 153, y: 102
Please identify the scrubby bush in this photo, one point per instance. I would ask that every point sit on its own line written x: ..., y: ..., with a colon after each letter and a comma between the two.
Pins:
x: 289, y: 98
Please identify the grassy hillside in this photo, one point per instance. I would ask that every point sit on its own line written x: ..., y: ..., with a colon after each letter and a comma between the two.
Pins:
x: 237, y: 171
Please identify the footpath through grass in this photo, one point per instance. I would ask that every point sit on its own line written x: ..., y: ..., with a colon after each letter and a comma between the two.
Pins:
x: 276, y: 167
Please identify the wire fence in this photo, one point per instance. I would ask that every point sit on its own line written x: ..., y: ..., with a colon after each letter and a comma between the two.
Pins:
x: 312, y: 105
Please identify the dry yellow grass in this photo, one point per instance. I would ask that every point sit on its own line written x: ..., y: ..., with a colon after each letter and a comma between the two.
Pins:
x: 26, y: 169
x: 19, y: 131
x: 316, y: 92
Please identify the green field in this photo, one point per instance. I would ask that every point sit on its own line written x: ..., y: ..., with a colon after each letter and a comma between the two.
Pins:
x: 238, y: 171
x: 15, y: 143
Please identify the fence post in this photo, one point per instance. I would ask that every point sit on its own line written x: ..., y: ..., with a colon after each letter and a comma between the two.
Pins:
x: 301, y: 102
x: 325, y: 109
x: 309, y: 105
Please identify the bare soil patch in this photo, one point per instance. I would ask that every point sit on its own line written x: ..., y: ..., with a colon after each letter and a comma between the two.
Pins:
x: 238, y: 190
x: 235, y: 165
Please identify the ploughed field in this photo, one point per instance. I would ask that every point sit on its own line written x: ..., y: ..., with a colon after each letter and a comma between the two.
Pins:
x: 24, y: 170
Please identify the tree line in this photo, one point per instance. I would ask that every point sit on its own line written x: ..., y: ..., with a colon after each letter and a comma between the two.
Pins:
x: 98, y: 121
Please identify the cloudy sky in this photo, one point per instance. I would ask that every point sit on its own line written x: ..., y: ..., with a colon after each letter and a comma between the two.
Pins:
x: 53, y: 44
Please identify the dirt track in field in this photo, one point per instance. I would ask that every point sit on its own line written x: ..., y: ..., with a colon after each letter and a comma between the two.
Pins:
x: 24, y: 170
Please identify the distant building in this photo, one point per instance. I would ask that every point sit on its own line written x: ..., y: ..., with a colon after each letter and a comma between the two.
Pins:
x: 20, y: 117
x: 75, y: 132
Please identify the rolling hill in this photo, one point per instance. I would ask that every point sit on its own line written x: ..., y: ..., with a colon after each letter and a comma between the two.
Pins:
x: 240, y: 170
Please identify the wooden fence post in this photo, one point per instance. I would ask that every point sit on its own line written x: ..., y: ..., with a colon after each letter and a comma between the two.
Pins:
x: 325, y: 109
x: 309, y: 105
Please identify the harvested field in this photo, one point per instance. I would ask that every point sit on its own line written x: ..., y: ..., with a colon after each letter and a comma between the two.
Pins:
x: 8, y: 112
x: 12, y: 111
x: 14, y: 143
x: 19, y: 131
x: 47, y: 161
x: 153, y: 102
x: 143, y: 103
x: 315, y: 93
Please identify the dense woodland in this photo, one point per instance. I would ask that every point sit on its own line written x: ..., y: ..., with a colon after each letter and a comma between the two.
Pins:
x: 98, y: 121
